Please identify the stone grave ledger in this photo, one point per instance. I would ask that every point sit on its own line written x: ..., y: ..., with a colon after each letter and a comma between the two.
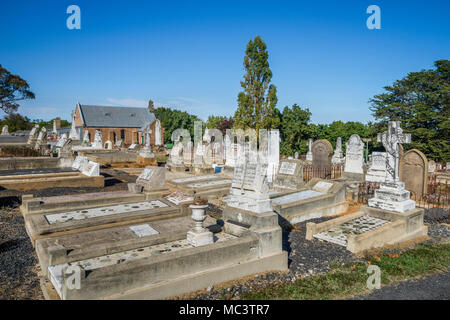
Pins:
x: 48, y: 225
x: 414, y: 172
x: 392, y: 195
x: 369, y: 228
x: 318, y: 198
x: 290, y: 174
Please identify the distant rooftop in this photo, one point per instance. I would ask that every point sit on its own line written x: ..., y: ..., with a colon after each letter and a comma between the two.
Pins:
x: 115, y: 117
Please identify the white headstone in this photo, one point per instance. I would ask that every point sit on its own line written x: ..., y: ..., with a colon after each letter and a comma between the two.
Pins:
x: 354, y: 155
x: 79, y: 162
x: 309, y: 156
x: 98, y: 143
x: 74, y: 134
x: 158, y: 140
x: 392, y: 195
x: 5, y: 131
x: 91, y: 169
x: 338, y: 156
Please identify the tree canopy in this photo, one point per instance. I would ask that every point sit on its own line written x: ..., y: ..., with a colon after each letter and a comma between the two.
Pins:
x: 421, y: 101
x: 256, y: 104
x: 12, y: 89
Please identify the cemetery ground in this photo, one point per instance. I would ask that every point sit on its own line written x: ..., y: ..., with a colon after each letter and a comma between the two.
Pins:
x: 317, y: 269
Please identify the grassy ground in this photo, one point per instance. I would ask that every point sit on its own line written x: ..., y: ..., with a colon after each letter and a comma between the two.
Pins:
x: 350, y: 279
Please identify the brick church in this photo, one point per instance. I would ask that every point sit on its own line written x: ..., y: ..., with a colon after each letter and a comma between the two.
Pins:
x: 119, y: 123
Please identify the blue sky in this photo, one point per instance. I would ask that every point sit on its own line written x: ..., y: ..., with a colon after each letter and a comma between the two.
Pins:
x: 188, y: 54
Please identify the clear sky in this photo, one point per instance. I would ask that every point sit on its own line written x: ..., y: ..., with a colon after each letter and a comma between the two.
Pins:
x: 188, y: 54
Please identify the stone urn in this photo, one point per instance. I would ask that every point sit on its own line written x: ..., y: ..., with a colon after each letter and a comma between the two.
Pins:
x: 199, y: 236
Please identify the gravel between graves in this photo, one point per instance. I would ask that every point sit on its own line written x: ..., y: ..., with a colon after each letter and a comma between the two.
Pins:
x: 19, y: 267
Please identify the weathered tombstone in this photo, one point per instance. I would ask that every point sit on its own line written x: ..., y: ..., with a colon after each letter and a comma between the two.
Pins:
x: 354, y: 158
x: 249, y: 188
x: 152, y: 178
x: 377, y: 169
x: 431, y: 166
x: 74, y: 134
x: 98, y: 143
x: 176, y: 154
x: 86, y: 140
x: 414, y: 172
x: 79, y: 163
x: 54, y: 127
x: 338, y: 156
x: 290, y: 174
x: 5, y: 131
x: 392, y: 195
x: 321, y: 151
x: 158, y: 140
x: 42, y: 136
x: 91, y: 169
x: 296, y: 155
x: 309, y: 155
x: 133, y: 147
x: 33, y: 134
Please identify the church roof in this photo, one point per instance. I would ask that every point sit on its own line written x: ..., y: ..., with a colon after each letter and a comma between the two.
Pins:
x: 115, y: 117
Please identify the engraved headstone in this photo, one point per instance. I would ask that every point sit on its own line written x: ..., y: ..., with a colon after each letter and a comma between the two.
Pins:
x: 354, y: 155
x: 377, y: 169
x: 414, y: 172
x: 152, y: 177
x: 290, y: 174
x: 79, y: 162
x: 321, y: 151
x: 91, y: 169
x: 392, y: 195
x: 249, y: 188
x: 98, y: 142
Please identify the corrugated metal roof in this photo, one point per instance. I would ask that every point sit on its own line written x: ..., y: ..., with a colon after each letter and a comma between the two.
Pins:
x: 115, y: 117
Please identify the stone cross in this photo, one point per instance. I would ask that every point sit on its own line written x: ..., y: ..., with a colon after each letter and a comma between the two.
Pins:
x: 391, y: 140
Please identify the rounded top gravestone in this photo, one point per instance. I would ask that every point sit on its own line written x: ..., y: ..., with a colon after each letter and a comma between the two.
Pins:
x: 322, y: 151
x: 413, y: 171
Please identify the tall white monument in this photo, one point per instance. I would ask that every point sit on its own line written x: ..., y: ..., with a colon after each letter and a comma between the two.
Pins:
x: 392, y: 195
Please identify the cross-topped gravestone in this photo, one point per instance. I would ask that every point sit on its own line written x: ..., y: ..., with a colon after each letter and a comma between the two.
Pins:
x: 391, y: 140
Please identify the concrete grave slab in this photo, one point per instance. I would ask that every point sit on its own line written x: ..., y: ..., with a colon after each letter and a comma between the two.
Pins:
x: 41, y: 226
x: 319, y: 198
x: 369, y: 228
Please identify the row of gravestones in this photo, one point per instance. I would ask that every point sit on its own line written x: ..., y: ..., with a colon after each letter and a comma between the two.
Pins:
x: 413, y: 165
x: 322, y: 157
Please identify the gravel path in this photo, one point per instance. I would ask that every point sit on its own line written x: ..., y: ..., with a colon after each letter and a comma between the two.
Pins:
x: 434, y: 287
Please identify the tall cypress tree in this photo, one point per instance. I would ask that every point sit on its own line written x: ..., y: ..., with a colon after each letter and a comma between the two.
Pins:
x: 256, y: 104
